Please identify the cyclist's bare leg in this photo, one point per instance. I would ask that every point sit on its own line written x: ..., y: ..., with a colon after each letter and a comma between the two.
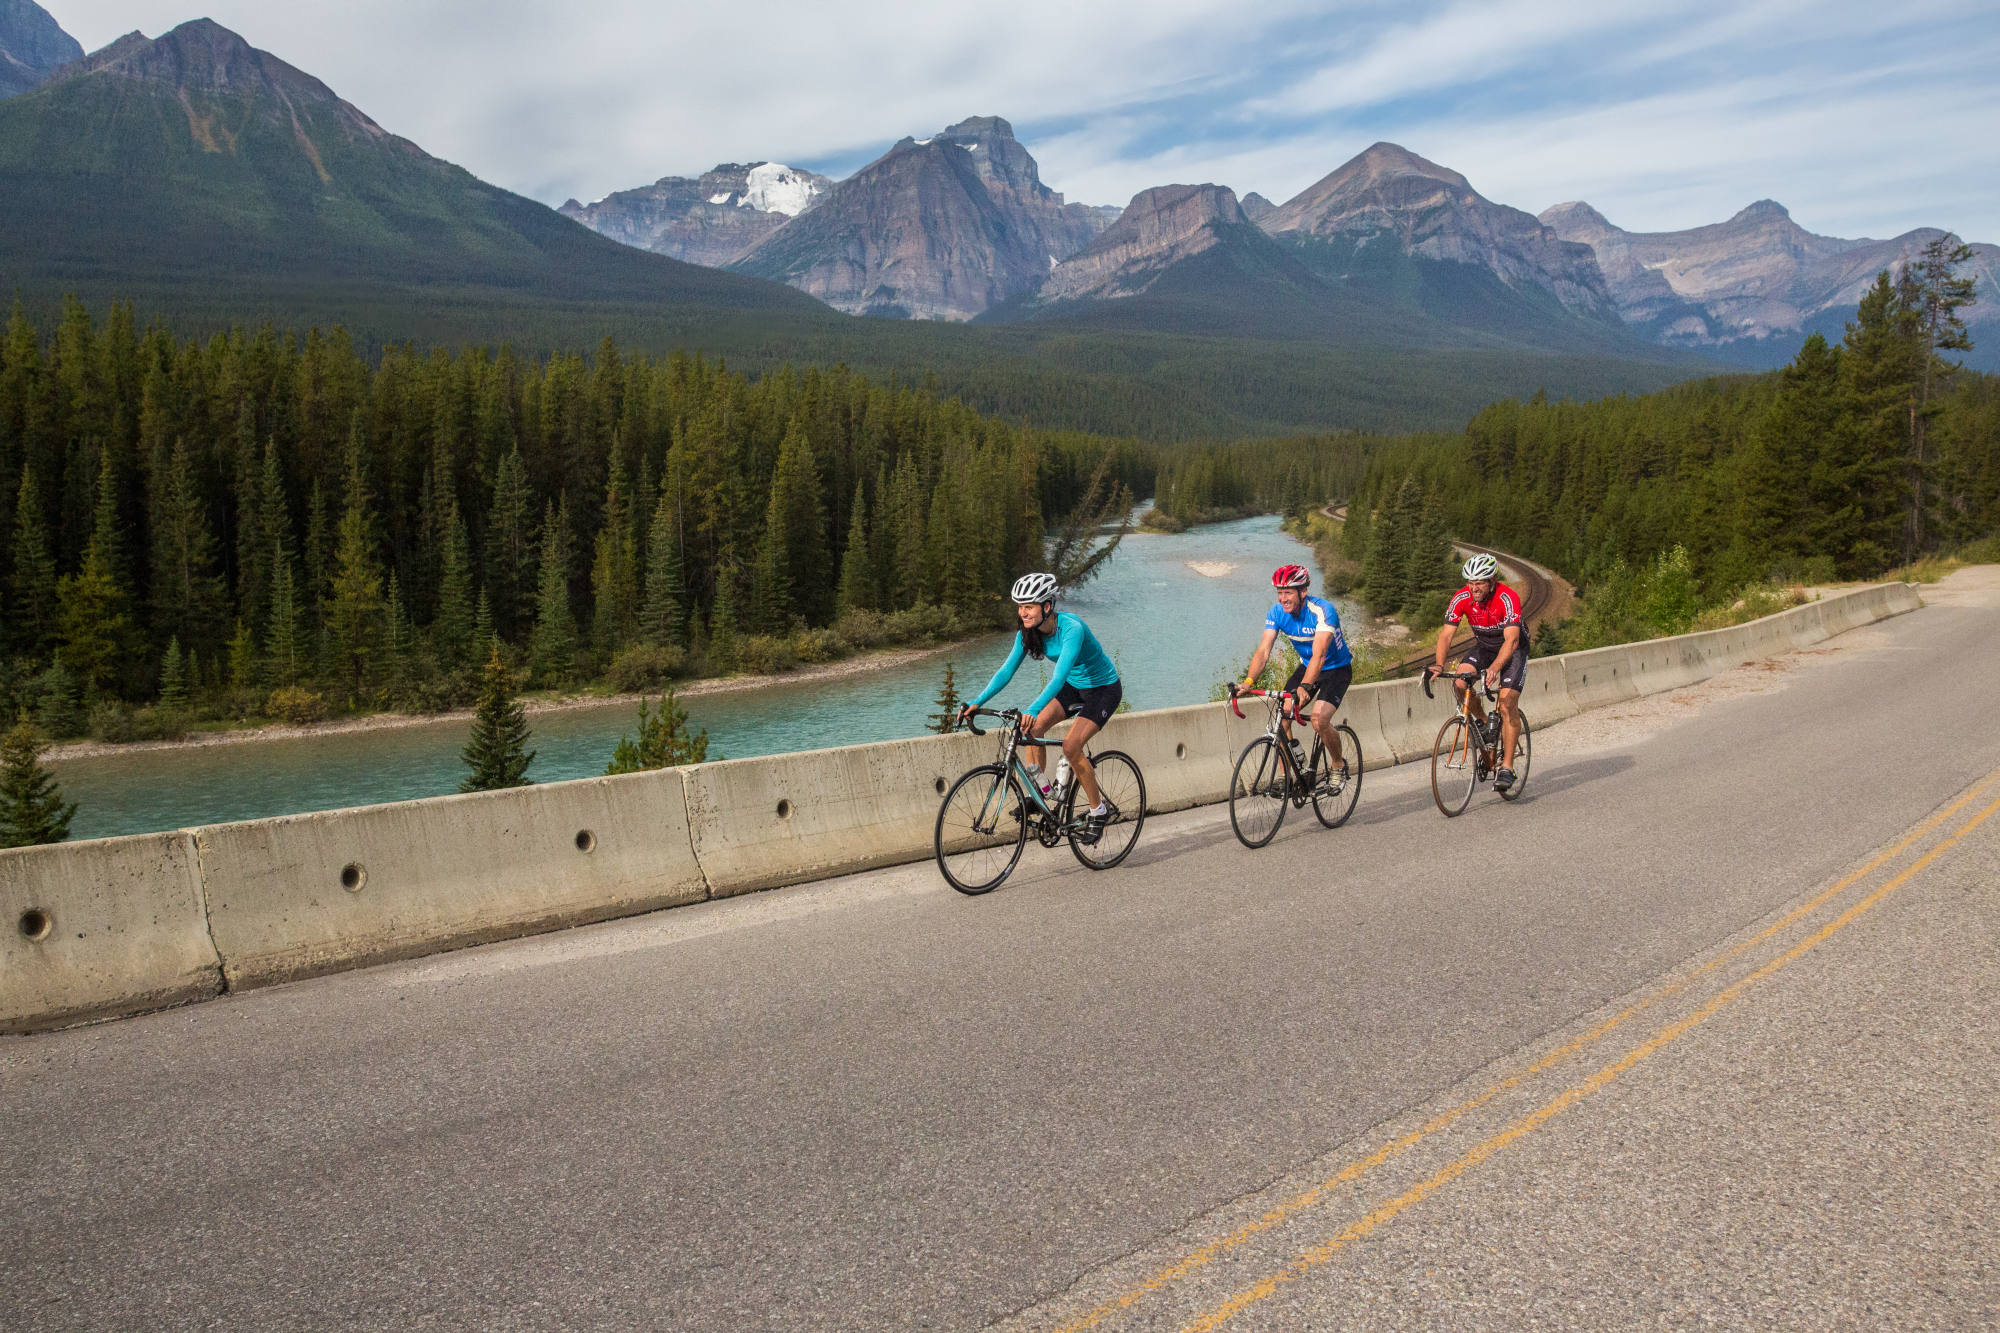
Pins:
x: 1074, y: 740
x: 1470, y: 698
x: 1322, y: 722
x: 1038, y: 725
x: 1510, y: 725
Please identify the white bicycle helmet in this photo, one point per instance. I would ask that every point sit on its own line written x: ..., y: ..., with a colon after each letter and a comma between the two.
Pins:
x: 1034, y: 588
x: 1481, y: 566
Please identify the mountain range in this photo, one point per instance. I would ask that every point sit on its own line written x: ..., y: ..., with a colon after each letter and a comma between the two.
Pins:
x: 959, y: 226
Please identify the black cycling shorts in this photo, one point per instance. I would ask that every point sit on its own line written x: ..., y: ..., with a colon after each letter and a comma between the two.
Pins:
x: 1514, y: 675
x: 1331, y: 685
x: 1097, y: 704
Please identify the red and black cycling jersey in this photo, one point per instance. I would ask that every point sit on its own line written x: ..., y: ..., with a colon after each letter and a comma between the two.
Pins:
x: 1489, y: 622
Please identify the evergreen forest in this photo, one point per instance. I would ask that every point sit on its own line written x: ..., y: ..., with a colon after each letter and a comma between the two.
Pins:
x: 267, y: 523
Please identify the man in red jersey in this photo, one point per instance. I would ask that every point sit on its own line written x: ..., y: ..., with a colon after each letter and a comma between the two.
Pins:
x: 1499, y: 648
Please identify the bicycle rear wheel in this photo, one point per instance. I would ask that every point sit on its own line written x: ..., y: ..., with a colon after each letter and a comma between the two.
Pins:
x: 982, y: 825
x: 1454, y: 766
x: 1121, y: 783
x: 1522, y: 754
x: 1259, y: 791
x: 1339, y: 786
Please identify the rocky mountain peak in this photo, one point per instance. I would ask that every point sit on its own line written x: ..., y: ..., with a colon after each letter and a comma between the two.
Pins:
x: 32, y: 46
x: 979, y: 127
x: 204, y: 58
x: 1764, y: 210
x: 938, y: 228
x: 714, y: 219
x: 1433, y: 213
x: 1575, y: 216
x: 1159, y: 228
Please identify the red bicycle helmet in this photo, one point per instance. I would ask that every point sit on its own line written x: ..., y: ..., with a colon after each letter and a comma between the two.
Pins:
x: 1290, y: 576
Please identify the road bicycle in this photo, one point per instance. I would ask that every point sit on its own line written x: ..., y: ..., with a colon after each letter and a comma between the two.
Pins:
x: 986, y: 817
x: 1272, y: 775
x: 1467, y: 751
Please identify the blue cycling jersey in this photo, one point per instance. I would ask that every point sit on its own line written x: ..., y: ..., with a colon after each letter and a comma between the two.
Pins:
x: 1315, y: 616
x: 1080, y: 661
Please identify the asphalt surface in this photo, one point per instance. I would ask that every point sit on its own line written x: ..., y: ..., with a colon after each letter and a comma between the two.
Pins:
x: 1700, y: 1033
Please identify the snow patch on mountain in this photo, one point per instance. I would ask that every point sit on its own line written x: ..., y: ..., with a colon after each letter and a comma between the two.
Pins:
x: 774, y: 187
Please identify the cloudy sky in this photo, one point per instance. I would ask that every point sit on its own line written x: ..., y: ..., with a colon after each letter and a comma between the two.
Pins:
x: 1863, y: 118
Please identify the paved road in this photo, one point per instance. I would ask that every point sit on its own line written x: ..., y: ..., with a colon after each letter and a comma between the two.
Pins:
x: 1702, y: 1032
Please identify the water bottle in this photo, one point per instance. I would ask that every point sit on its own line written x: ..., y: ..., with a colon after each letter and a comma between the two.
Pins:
x: 1062, y: 777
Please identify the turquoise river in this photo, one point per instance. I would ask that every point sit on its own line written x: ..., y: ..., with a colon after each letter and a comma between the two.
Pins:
x: 1175, y: 612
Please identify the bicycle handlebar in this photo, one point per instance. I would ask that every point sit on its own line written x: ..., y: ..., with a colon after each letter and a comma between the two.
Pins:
x: 1003, y: 713
x: 1237, y: 692
x: 1469, y: 677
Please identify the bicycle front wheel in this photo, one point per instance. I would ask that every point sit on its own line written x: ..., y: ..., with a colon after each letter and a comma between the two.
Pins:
x: 1454, y: 767
x: 982, y: 825
x: 1121, y: 783
x: 1339, y: 785
x: 1522, y: 754
x: 1259, y: 790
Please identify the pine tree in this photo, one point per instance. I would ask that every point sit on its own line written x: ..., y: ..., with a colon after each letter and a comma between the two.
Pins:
x: 665, y: 740
x: 614, y: 574
x: 173, y: 677
x: 790, y: 573
x: 510, y: 548
x: 660, y: 620
x: 497, y: 752
x: 1934, y: 293
x: 722, y: 616
x: 188, y: 595
x: 355, y: 613
x: 94, y: 627
x: 32, y: 810
x: 285, y: 649
x: 32, y: 609
x: 242, y: 659
x: 1431, y: 566
x: 552, y: 647
x: 398, y: 644
x: 453, y: 630
x: 945, y: 720
x: 483, y: 635
x: 857, y: 563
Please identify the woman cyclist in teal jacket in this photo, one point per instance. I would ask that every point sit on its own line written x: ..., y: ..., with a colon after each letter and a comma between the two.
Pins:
x: 1083, y: 686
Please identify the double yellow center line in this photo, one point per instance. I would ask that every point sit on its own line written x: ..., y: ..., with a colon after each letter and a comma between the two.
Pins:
x: 1320, y: 1254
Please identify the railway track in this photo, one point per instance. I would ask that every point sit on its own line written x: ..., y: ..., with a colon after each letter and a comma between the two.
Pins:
x: 1535, y: 584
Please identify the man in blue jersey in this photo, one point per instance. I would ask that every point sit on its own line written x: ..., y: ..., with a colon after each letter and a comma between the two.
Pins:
x: 1084, y: 685
x: 1326, y: 665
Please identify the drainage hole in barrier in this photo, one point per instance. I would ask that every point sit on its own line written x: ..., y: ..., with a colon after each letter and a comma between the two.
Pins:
x: 784, y: 809
x: 586, y: 841
x: 1180, y: 751
x: 35, y: 924
x: 352, y: 877
x: 939, y: 784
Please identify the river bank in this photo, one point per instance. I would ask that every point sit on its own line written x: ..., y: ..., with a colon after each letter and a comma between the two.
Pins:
x: 884, y: 659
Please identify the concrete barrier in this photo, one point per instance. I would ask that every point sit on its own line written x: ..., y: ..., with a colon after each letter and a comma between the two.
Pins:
x: 783, y: 819
x: 1410, y: 721
x: 120, y: 925
x: 93, y: 929
x: 1185, y: 753
x: 307, y: 894
x: 1599, y: 677
x: 1668, y: 664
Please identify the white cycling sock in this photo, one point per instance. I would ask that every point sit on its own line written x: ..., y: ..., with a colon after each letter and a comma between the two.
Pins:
x: 1101, y: 808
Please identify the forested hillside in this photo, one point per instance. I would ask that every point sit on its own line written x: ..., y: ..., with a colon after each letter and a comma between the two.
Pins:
x: 1854, y: 458
x: 261, y: 512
